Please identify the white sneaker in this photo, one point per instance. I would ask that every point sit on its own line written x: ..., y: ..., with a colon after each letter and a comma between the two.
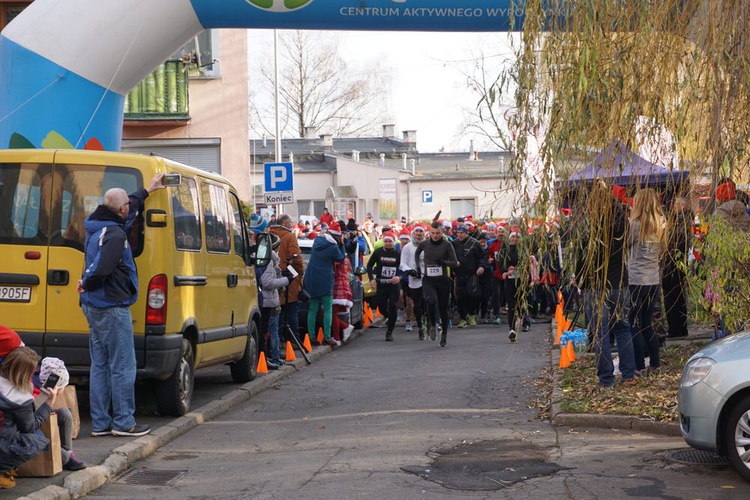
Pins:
x: 408, y: 326
x: 347, y: 333
x: 512, y: 336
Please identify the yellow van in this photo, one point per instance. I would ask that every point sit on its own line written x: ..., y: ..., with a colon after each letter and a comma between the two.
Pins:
x: 197, y: 304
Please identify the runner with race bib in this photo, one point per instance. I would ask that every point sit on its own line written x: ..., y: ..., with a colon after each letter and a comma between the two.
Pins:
x: 438, y: 256
x: 383, y: 266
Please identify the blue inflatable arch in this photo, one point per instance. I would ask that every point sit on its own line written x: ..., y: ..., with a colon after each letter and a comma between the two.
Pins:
x: 68, y: 65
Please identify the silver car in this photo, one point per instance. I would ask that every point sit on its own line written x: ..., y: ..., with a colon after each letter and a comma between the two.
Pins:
x: 714, y: 400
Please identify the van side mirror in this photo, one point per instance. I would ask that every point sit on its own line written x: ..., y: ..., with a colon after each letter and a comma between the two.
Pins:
x: 360, y: 271
x: 262, y: 250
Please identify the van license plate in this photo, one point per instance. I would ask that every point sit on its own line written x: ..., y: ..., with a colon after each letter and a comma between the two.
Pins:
x: 15, y: 294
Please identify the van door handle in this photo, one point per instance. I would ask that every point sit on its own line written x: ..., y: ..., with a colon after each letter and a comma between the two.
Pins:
x: 58, y: 277
x: 232, y: 280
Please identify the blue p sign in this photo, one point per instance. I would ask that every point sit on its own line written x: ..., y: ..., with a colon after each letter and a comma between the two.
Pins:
x: 278, y: 177
x: 426, y: 196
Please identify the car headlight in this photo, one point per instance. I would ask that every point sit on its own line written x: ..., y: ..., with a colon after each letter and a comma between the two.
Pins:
x: 695, y: 371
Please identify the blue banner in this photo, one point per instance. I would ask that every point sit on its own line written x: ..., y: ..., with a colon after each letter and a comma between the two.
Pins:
x: 372, y: 15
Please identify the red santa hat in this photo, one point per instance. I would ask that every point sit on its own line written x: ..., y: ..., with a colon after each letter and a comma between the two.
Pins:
x: 417, y: 227
x: 405, y: 233
x: 9, y: 340
x: 389, y: 236
x: 620, y: 193
x: 725, y: 192
x: 334, y: 229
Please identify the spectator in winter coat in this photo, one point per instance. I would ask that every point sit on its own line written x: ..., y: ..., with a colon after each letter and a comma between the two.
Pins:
x: 272, y: 279
x: 326, y: 218
x: 326, y: 250
x: 729, y: 208
x: 20, y: 442
x: 289, y: 255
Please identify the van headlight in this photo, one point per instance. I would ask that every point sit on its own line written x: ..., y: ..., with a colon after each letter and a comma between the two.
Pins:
x: 695, y: 371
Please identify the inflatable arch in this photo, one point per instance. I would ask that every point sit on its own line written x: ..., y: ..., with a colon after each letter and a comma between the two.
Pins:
x: 67, y: 66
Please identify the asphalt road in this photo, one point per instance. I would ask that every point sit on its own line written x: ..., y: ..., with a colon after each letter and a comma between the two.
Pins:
x: 408, y: 419
x: 404, y: 419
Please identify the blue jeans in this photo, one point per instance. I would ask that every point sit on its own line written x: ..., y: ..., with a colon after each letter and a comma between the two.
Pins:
x: 611, y: 317
x: 273, y: 335
x: 112, y: 376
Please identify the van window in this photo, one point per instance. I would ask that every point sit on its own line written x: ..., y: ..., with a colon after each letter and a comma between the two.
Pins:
x: 79, y: 189
x: 186, y: 213
x: 216, y: 218
x: 239, y: 237
x: 22, y: 219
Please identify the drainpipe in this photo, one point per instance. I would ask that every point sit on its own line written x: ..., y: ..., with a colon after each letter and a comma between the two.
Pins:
x: 408, y: 199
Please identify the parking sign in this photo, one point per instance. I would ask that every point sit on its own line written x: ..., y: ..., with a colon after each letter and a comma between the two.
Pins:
x: 426, y: 196
x: 278, y: 177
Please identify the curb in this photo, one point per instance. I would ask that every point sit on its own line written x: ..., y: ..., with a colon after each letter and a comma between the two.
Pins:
x: 626, y: 422
x: 78, y: 484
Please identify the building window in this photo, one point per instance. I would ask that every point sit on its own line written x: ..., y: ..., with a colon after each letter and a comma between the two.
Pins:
x: 201, y: 54
x: 461, y: 207
x: 163, y: 94
x: 9, y: 11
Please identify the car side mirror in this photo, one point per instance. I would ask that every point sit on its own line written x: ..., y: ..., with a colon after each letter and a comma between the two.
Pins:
x: 361, y: 270
x: 262, y: 250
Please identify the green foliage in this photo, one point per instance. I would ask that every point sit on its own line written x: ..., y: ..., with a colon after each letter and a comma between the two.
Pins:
x: 247, y: 210
x: 726, y: 273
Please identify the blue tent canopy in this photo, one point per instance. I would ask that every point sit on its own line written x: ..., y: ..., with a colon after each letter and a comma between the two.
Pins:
x: 617, y: 164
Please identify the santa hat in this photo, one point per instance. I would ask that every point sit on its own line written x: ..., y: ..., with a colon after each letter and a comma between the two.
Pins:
x: 417, y: 227
x: 312, y: 235
x: 334, y: 228
x: 404, y: 234
x: 620, y: 193
x: 389, y: 236
x: 9, y: 340
x: 725, y: 192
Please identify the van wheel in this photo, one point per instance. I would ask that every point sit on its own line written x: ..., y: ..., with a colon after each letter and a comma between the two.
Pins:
x: 246, y: 368
x: 173, y: 395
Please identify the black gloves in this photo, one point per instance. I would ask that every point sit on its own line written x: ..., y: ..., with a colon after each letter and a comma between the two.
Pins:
x: 286, y: 273
x: 413, y: 272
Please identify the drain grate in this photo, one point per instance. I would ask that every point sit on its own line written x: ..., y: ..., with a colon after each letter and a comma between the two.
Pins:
x: 691, y: 456
x: 150, y: 477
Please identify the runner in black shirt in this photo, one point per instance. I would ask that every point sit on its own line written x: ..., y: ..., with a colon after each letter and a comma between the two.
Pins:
x: 386, y: 261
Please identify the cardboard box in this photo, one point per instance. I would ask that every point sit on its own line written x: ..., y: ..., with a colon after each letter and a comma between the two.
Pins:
x: 68, y: 398
x: 48, y: 462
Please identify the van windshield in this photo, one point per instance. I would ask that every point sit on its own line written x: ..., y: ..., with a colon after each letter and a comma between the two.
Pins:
x: 42, y: 204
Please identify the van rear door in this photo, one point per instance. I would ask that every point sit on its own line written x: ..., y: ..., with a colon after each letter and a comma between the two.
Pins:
x: 80, y: 186
x: 26, y: 189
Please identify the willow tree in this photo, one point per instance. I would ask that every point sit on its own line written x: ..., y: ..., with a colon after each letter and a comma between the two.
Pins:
x: 591, y: 72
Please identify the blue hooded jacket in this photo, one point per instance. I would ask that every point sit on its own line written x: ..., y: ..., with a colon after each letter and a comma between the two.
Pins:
x: 110, y: 278
x: 318, y: 279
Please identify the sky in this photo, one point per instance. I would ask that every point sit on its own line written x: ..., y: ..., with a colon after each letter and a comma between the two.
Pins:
x: 426, y: 76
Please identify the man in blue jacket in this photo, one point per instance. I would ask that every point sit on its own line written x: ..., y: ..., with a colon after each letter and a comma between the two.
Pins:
x: 318, y: 282
x: 108, y: 288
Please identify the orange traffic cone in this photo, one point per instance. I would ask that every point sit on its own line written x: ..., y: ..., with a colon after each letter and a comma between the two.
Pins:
x: 290, y: 352
x: 369, y: 317
x: 366, y: 320
x: 262, y: 366
x: 564, y: 360
x: 559, y: 332
x: 321, y: 336
x: 377, y: 312
x: 306, y: 343
x: 571, y: 351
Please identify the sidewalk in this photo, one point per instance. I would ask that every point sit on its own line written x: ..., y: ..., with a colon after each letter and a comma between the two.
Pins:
x: 626, y: 422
